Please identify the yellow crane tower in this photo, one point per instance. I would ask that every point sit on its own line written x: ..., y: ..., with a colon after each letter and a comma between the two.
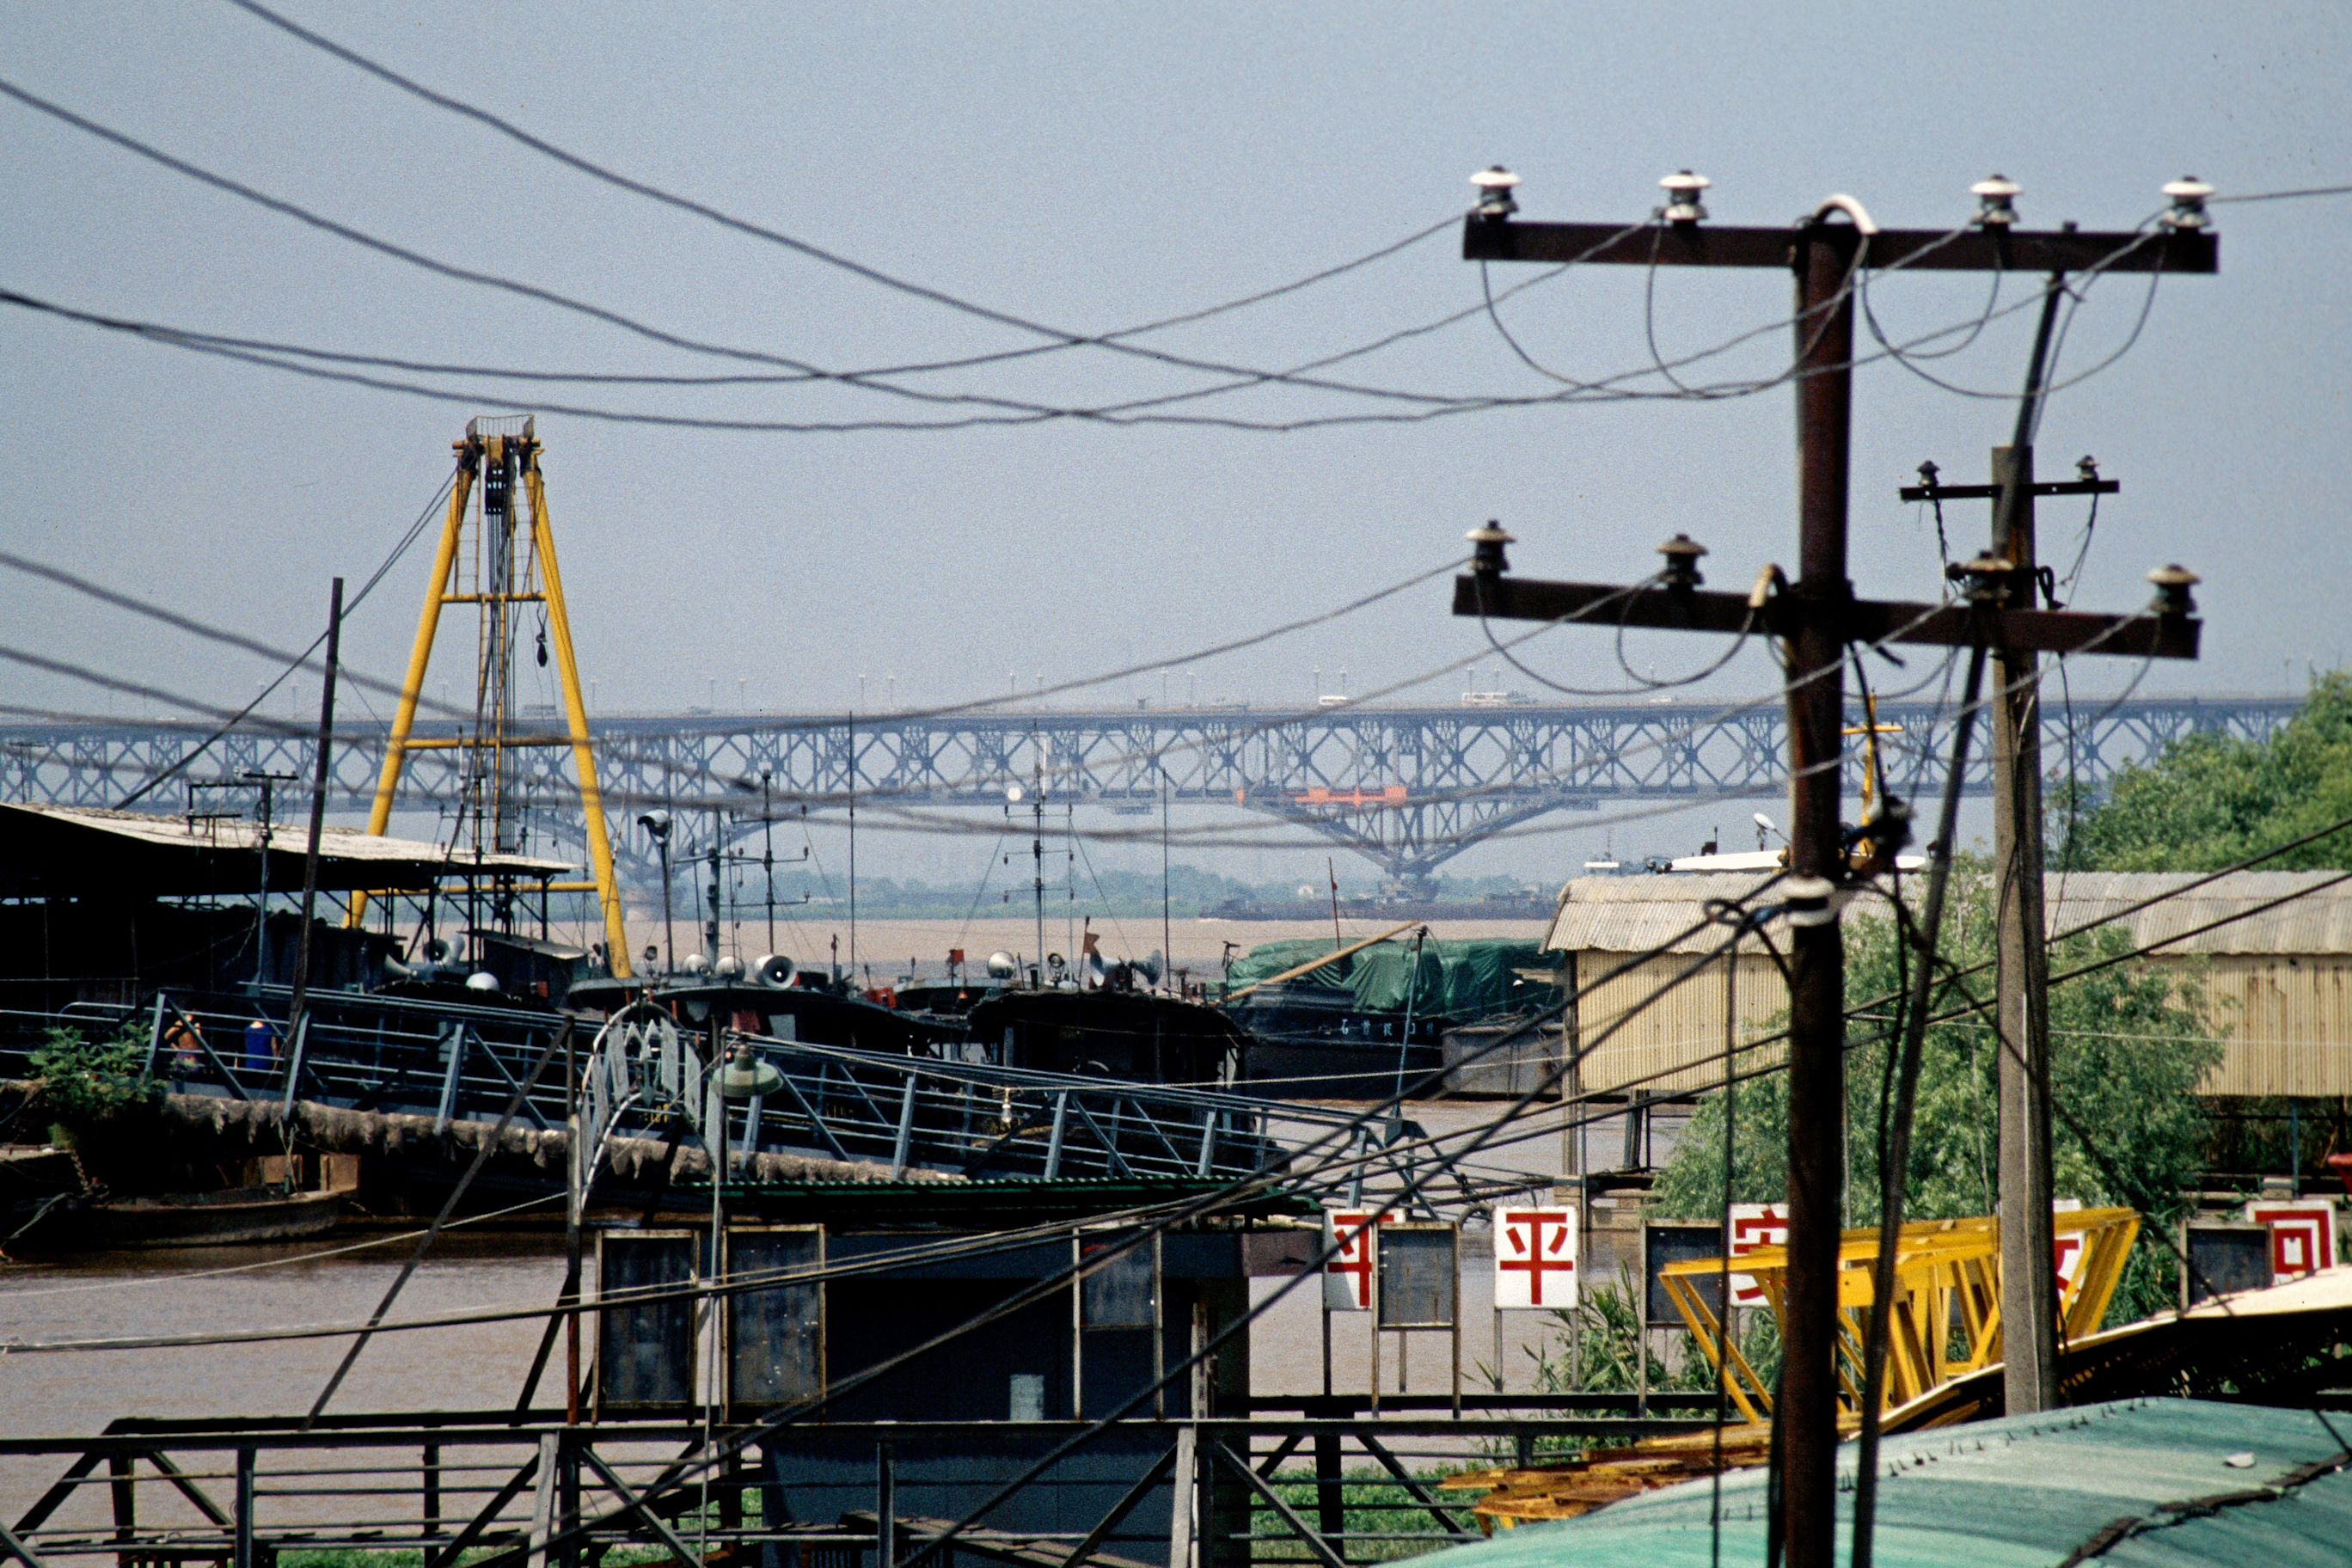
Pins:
x: 499, y: 556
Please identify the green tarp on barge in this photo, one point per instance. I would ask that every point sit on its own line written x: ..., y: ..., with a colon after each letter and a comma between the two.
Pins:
x: 1465, y: 978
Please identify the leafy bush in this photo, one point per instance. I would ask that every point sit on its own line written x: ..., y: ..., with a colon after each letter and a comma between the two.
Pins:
x: 85, y: 1084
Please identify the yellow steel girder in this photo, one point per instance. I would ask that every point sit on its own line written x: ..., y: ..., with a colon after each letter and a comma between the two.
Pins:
x: 1945, y: 1317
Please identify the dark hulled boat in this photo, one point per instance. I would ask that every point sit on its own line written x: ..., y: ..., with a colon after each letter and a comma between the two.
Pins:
x: 233, y: 1217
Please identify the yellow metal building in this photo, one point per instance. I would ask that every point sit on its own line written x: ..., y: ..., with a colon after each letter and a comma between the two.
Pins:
x: 2277, y: 978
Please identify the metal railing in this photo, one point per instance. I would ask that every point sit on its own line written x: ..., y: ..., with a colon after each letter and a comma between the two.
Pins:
x: 645, y: 1075
x: 1326, y: 1484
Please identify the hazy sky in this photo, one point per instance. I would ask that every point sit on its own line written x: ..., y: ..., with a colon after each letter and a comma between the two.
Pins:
x: 1093, y: 167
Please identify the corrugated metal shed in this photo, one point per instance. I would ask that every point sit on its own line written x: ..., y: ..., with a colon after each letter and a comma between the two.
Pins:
x: 2136, y: 1483
x: 2278, y: 982
x: 1635, y: 914
x: 1674, y: 1045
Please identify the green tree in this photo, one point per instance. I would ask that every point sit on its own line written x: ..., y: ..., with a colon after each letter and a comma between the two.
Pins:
x: 2128, y: 1047
x: 2210, y: 802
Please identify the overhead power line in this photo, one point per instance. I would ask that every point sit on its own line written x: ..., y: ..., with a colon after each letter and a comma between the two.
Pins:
x: 1010, y: 410
x: 997, y: 409
x: 417, y: 258
x: 1061, y: 338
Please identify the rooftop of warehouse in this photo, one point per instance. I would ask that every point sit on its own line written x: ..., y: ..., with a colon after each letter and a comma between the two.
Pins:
x: 2282, y: 911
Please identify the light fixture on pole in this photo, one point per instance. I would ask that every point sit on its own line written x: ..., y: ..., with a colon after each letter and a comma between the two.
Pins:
x: 747, y: 1077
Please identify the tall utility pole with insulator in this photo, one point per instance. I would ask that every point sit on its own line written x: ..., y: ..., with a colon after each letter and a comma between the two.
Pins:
x: 1816, y: 616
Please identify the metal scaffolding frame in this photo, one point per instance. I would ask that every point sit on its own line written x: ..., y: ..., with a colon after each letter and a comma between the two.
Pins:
x: 239, y: 1491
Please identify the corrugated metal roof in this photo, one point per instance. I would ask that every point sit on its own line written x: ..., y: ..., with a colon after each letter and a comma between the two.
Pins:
x: 1635, y: 914
x: 2138, y: 1482
x: 293, y: 837
x: 2316, y: 919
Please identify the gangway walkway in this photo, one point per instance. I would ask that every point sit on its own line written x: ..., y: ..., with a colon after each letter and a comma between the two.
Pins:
x: 642, y: 1075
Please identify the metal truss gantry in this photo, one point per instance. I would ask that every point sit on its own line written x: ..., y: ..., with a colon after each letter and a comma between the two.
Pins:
x: 1407, y: 788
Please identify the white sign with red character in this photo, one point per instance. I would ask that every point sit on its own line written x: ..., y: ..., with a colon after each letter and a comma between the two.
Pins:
x: 2066, y: 1248
x: 2303, y: 1234
x: 1754, y: 1225
x: 1348, y: 1272
x: 1535, y: 1257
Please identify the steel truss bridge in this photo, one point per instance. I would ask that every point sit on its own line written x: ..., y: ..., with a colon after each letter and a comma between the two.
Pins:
x: 1407, y: 788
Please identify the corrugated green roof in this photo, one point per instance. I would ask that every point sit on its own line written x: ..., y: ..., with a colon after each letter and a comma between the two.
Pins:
x: 2136, y: 1483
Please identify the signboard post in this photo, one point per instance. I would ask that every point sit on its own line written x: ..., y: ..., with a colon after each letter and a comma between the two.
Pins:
x: 1350, y: 1273
x: 645, y: 1334
x: 2303, y: 1234
x: 1754, y: 1225
x: 1417, y: 1285
x: 1535, y: 1264
x: 1665, y: 1242
x: 774, y: 1353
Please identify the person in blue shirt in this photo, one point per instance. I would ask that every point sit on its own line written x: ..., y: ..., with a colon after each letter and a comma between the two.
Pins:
x: 260, y: 1041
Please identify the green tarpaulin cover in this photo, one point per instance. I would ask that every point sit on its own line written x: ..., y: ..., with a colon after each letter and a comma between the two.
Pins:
x: 1469, y: 978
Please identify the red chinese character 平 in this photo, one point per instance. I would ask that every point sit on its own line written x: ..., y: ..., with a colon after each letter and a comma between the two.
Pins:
x: 1348, y: 1272
x: 1535, y: 1257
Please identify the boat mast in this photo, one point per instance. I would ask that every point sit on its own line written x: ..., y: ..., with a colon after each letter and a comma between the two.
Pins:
x: 1037, y: 856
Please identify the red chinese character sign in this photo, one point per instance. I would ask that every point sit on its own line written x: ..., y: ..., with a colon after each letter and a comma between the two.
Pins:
x: 1535, y: 1257
x: 1348, y: 1272
x: 2303, y: 1234
x: 1754, y: 1225
x: 2067, y: 1247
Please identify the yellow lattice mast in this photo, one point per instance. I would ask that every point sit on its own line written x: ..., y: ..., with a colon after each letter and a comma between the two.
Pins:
x: 497, y: 462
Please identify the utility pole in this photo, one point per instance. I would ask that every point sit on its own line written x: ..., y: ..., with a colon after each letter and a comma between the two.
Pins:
x: 2028, y: 1278
x: 1037, y: 856
x: 849, y: 773
x: 268, y: 783
x: 1817, y: 616
x: 318, y: 812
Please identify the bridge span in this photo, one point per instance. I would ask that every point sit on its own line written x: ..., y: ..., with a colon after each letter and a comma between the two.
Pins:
x: 1406, y: 787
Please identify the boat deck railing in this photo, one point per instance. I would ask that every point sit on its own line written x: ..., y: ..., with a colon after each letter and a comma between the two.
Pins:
x: 646, y: 1075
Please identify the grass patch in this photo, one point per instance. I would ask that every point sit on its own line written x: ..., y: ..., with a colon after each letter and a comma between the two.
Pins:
x: 1374, y: 1505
